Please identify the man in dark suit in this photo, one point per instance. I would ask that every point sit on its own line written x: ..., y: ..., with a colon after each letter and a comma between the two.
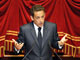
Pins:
x: 38, y: 37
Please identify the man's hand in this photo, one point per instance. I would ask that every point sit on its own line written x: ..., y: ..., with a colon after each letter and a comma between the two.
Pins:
x: 63, y: 40
x: 17, y: 45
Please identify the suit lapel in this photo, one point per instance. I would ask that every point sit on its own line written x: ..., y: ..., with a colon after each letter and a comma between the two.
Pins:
x: 33, y: 33
x: 45, y: 34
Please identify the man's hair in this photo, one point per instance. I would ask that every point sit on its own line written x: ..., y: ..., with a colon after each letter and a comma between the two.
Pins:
x: 36, y: 8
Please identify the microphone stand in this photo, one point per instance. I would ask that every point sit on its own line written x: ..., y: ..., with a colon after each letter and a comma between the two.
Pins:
x: 54, y: 52
x: 29, y: 51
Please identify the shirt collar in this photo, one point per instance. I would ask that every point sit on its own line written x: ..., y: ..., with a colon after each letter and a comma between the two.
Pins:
x: 36, y: 27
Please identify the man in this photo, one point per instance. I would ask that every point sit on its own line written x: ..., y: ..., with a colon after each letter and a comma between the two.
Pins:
x: 38, y: 36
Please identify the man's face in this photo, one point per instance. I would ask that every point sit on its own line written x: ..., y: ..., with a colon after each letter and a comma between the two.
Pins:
x: 38, y: 18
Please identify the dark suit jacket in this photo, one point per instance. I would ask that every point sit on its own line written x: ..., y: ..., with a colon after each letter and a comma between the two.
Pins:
x: 27, y: 35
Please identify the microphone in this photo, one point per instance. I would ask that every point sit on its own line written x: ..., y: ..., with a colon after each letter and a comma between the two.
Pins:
x: 53, y: 51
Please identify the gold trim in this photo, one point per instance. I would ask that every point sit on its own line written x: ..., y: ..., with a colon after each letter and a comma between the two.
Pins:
x: 11, y: 34
x: 62, y: 34
x: 12, y: 31
x: 15, y: 33
x: 78, y: 47
x: 22, y: 55
x: 67, y: 34
x: 9, y: 40
x: 2, y: 36
x: 69, y: 45
x: 2, y: 39
x: 13, y: 55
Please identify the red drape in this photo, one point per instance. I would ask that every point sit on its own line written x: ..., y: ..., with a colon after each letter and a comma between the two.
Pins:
x: 65, y: 13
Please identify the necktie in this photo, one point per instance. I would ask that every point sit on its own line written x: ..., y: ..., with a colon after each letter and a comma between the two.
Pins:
x: 39, y: 38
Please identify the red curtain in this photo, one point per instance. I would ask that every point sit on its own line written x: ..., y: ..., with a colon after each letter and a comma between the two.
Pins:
x: 65, y: 13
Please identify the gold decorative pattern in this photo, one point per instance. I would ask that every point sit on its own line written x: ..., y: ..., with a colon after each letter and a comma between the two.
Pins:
x: 12, y: 34
x: 69, y: 36
x: 67, y: 47
x: 2, y: 38
x: 10, y: 31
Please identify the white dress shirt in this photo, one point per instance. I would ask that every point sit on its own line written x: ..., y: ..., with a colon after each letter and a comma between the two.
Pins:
x: 36, y: 30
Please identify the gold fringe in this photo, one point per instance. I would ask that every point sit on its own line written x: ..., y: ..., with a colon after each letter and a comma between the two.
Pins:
x: 4, y: 50
x: 10, y: 46
x: 7, y: 45
x: 79, y: 50
x: 72, y: 51
x: 8, y: 41
x: 68, y: 49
